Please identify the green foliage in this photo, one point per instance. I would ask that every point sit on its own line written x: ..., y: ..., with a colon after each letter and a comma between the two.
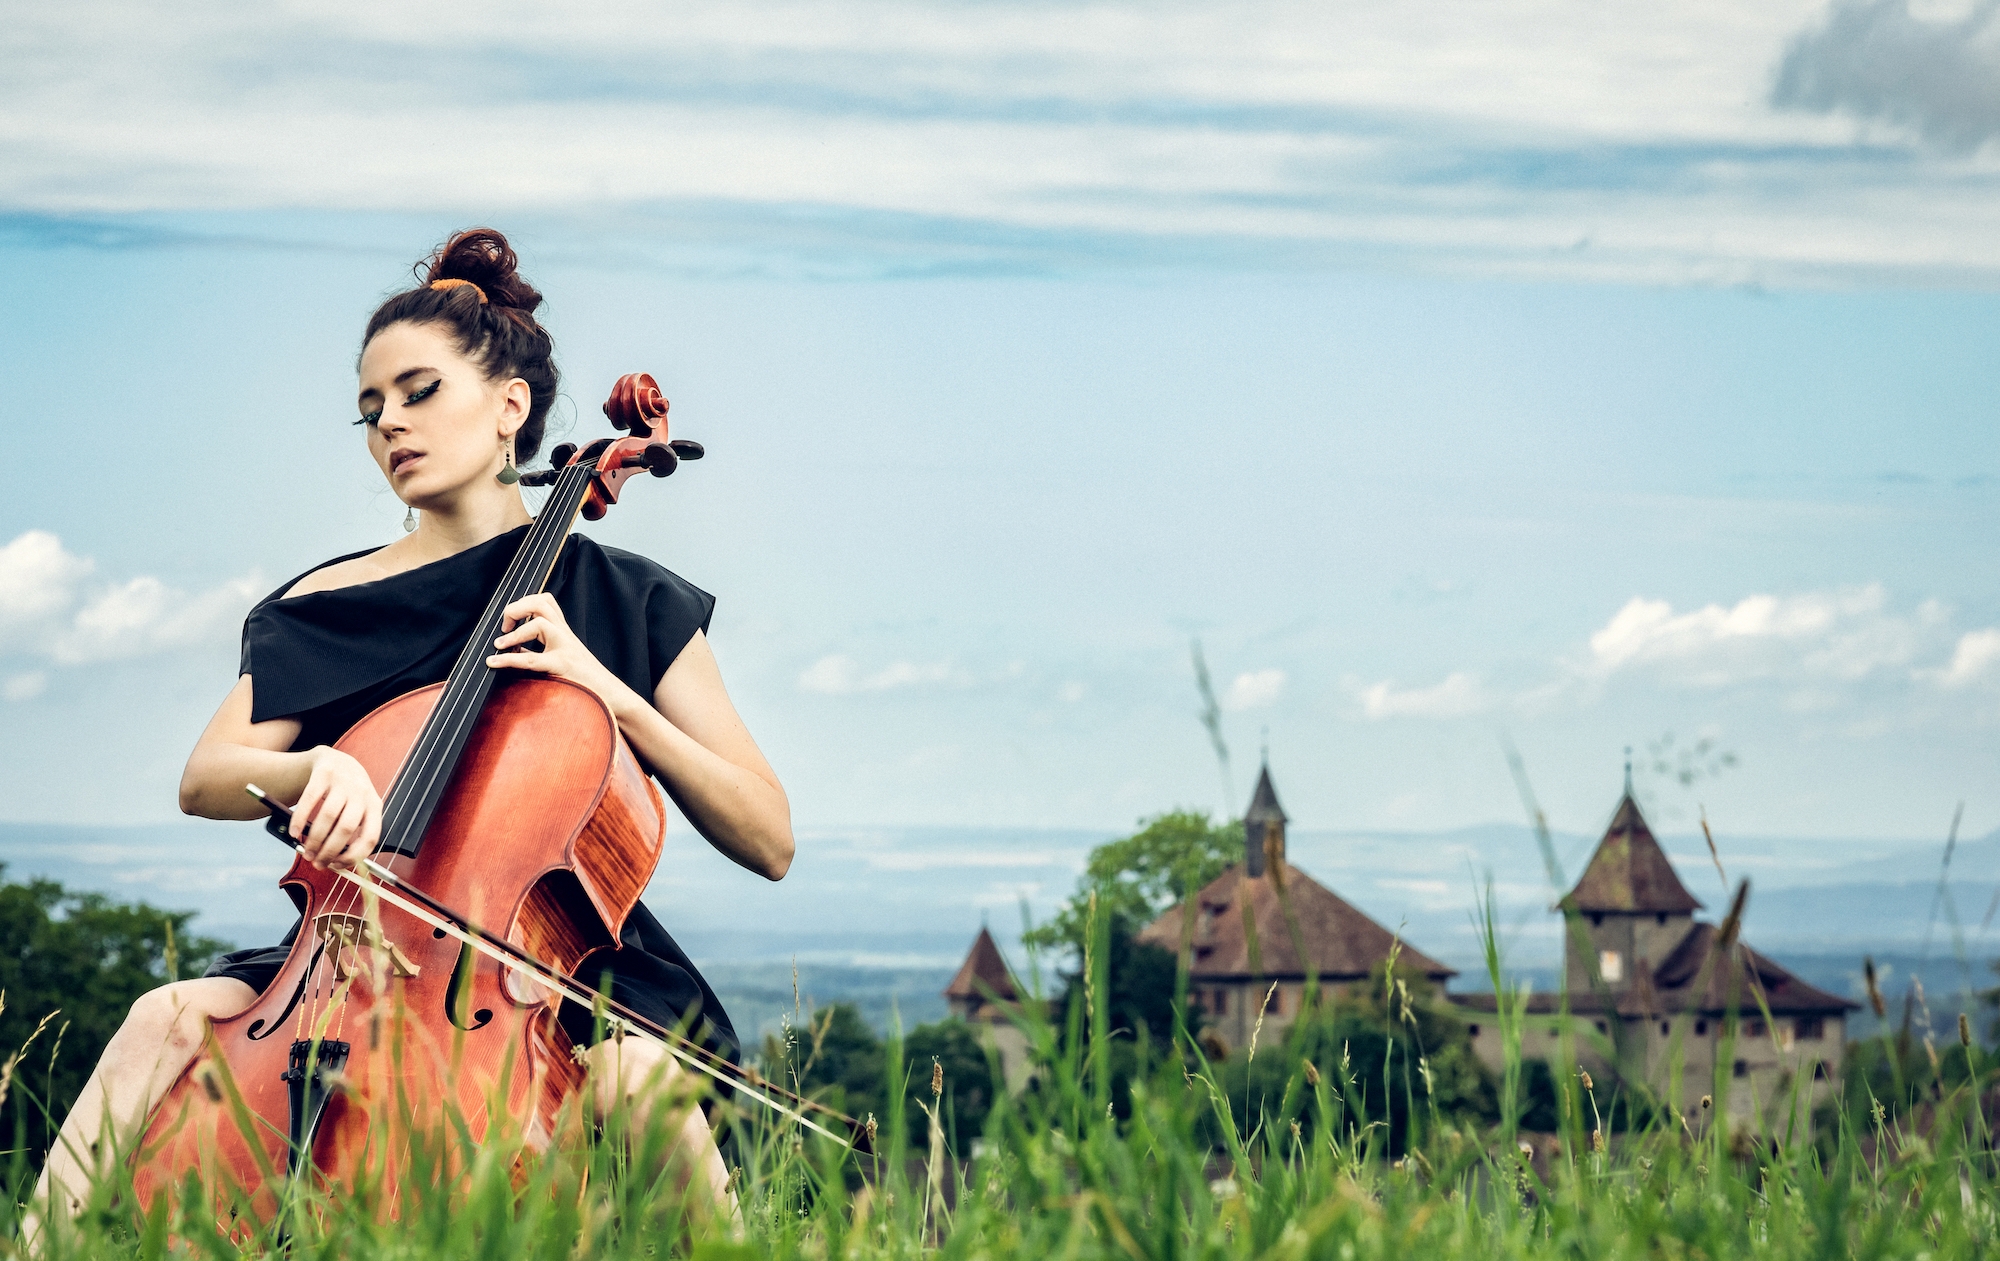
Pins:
x: 1402, y: 1056
x: 1138, y: 876
x: 969, y: 1082
x: 1141, y: 978
x: 1173, y: 1175
x: 837, y: 1059
x: 83, y: 959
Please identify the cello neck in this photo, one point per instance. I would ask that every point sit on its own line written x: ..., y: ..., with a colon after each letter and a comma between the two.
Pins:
x: 421, y: 781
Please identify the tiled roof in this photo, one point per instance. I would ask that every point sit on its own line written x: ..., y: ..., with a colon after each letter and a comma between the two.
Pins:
x: 1342, y: 943
x: 983, y: 973
x: 1264, y: 807
x: 1677, y: 985
x: 1629, y: 872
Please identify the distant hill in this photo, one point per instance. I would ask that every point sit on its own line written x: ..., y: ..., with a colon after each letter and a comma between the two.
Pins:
x: 882, y: 913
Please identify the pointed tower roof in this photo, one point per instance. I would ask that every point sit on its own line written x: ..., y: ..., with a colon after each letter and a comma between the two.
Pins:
x: 1264, y: 807
x: 1629, y: 873
x: 984, y: 972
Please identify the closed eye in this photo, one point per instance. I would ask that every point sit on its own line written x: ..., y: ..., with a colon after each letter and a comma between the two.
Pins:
x: 369, y: 418
x: 422, y: 394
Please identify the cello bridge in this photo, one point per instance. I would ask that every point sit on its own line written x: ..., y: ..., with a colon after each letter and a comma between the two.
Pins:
x: 342, y: 933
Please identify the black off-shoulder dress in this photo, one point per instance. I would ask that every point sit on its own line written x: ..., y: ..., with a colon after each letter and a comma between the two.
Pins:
x: 329, y: 658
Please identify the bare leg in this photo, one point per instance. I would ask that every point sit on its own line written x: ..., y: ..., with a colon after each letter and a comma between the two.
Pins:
x: 638, y: 1073
x: 158, y: 1039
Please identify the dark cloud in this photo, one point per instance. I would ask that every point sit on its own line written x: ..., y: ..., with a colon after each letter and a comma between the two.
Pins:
x: 1876, y: 60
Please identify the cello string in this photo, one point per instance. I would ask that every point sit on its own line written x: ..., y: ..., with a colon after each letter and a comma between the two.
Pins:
x: 440, y: 726
x: 672, y: 1044
x: 414, y: 785
x: 463, y: 691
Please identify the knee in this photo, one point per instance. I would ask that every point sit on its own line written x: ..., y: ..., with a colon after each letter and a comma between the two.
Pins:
x: 173, y: 1013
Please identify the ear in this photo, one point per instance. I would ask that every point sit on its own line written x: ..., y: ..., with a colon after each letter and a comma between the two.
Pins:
x: 516, y: 397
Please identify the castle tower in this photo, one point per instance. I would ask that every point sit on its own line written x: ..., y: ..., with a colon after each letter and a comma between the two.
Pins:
x: 1635, y: 909
x: 1263, y: 827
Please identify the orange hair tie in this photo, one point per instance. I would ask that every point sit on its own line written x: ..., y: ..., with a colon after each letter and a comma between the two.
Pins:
x: 453, y: 284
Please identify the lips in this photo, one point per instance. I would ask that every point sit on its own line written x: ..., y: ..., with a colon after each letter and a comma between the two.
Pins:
x: 397, y: 459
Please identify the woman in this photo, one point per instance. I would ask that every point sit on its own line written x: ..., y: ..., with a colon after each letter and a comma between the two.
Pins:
x: 456, y: 381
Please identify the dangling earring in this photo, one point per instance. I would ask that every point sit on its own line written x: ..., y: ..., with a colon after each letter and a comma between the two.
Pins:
x: 409, y: 518
x: 508, y: 474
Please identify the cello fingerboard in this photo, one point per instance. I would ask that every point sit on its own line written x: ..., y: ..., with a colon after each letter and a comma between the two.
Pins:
x: 425, y: 774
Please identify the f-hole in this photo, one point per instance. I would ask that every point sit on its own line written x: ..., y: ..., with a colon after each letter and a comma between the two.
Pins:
x: 458, y: 995
x: 259, y: 1030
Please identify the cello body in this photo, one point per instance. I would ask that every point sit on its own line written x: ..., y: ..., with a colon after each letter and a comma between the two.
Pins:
x: 546, y: 835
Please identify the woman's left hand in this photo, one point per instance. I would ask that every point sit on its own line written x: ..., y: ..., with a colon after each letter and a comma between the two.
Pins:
x: 539, y: 619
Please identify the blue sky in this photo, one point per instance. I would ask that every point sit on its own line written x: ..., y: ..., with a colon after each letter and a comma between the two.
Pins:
x: 1543, y: 375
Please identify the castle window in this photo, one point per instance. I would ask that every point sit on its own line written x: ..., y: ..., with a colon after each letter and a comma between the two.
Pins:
x: 1597, y: 921
x: 1601, y: 1027
x: 1472, y: 1031
x: 1278, y: 1000
x: 1222, y: 1002
x: 1810, y: 1028
x: 1819, y: 1070
x: 1701, y: 1028
x: 1611, y: 965
x: 1666, y: 1028
x: 1661, y: 918
x: 1755, y: 1029
x: 1742, y: 1068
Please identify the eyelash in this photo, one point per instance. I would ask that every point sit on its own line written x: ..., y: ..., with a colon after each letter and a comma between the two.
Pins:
x: 370, y: 418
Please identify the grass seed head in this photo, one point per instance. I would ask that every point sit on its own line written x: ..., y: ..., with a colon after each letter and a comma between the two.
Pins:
x: 1964, y: 1031
x: 1312, y: 1074
x: 1587, y: 1083
x: 1707, y: 1102
x: 937, y: 1077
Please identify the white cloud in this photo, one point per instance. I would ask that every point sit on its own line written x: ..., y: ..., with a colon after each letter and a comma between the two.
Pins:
x: 25, y: 687
x: 54, y: 611
x: 1843, y: 635
x: 1456, y: 696
x: 38, y: 578
x: 1254, y: 690
x: 1371, y: 130
x: 1071, y: 692
x: 841, y: 675
x: 1975, y: 659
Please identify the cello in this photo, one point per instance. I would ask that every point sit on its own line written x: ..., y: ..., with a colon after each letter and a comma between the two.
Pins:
x: 518, y: 832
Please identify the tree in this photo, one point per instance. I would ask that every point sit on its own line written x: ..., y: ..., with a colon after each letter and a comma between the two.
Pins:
x: 968, y: 1082
x: 1141, y: 978
x: 836, y: 1058
x: 1382, y: 1048
x: 1137, y: 877
x: 81, y: 959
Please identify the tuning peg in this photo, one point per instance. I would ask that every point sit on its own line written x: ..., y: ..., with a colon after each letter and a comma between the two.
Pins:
x: 660, y: 459
x: 562, y: 454
x: 540, y: 477
x: 687, y: 449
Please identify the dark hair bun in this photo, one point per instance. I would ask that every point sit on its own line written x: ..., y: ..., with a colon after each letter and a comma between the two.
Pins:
x: 494, y: 325
x: 482, y: 256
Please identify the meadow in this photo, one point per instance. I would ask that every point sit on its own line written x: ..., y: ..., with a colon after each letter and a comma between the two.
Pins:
x: 1130, y: 1149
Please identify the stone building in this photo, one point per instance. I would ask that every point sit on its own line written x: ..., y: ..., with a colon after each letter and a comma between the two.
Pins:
x: 1243, y: 943
x: 1646, y: 984
x: 984, y: 995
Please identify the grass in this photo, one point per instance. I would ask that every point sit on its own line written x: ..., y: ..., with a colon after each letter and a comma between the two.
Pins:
x: 1141, y: 1155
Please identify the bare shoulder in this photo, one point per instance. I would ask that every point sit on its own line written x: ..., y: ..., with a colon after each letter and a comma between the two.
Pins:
x: 348, y: 573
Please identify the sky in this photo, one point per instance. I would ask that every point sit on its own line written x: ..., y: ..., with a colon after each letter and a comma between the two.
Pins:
x: 1545, y: 376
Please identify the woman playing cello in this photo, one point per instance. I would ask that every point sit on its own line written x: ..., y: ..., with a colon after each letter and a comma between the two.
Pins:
x: 456, y: 379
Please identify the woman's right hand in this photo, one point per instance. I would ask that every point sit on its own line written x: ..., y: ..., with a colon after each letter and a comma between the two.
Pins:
x: 338, y: 818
